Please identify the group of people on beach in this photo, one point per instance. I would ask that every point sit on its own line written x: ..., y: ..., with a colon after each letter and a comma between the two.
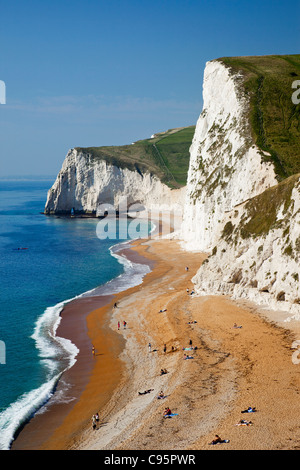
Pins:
x: 242, y: 422
x: 124, y: 324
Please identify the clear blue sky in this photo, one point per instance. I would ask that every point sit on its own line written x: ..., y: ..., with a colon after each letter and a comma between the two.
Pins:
x: 92, y: 73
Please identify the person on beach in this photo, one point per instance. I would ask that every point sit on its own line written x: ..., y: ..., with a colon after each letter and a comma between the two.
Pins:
x: 149, y: 347
x: 242, y: 422
x: 218, y: 440
x: 115, y: 305
x: 249, y: 410
x: 167, y: 412
x: 124, y: 324
x: 161, y: 395
x: 118, y: 325
x: 93, y: 351
x: 163, y: 371
x: 146, y: 391
x: 94, y: 422
x: 165, y: 348
x: 187, y: 357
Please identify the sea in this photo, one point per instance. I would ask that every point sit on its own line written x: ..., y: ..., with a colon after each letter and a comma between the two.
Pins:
x: 45, y: 262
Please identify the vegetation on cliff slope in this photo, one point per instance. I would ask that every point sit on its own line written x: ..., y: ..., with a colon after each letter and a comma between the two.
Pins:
x: 273, y: 209
x: 275, y: 119
x: 165, y: 155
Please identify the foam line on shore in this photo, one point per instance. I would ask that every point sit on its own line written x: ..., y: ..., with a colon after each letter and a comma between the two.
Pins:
x: 59, y: 354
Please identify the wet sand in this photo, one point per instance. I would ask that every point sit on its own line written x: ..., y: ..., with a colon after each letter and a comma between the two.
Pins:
x: 108, y: 346
x: 231, y: 369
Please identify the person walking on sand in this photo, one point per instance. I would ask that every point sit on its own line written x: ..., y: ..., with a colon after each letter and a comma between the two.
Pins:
x: 94, y: 422
x: 149, y: 347
x: 124, y: 324
x: 93, y: 351
x: 118, y: 325
x: 165, y: 348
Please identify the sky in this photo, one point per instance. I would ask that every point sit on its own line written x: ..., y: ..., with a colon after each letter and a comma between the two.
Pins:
x: 94, y: 73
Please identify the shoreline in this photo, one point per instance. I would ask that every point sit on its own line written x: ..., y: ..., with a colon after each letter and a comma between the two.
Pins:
x: 231, y: 370
x: 33, y: 433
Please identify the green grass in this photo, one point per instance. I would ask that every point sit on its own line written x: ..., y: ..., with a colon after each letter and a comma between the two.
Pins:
x: 274, y: 119
x: 166, y: 155
x: 261, y: 211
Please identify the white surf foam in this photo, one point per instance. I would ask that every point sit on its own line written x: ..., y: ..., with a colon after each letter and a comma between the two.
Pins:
x: 59, y: 354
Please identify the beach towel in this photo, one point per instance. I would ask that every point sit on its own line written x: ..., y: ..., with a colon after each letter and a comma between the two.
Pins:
x: 171, y: 415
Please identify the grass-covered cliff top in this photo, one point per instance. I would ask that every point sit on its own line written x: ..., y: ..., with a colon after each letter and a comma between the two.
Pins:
x: 165, y: 155
x: 274, y: 118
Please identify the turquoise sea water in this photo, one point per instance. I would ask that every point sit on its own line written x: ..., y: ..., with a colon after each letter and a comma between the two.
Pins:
x: 64, y: 259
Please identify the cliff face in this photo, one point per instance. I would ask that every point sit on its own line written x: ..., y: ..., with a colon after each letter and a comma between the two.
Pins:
x: 235, y: 210
x: 257, y: 251
x: 84, y: 183
x: 233, y: 206
x: 226, y: 168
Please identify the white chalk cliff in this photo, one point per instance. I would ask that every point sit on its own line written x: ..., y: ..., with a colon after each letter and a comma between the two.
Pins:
x: 261, y: 267
x: 227, y: 169
x: 229, y: 183
x: 85, y: 183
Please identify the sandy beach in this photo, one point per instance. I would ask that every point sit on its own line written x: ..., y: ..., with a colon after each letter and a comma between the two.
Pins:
x: 230, y: 369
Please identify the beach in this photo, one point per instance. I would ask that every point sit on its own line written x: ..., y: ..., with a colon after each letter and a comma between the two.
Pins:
x: 230, y: 369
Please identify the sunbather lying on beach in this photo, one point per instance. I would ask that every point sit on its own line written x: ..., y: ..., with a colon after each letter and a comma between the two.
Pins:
x: 236, y: 326
x: 187, y: 357
x: 249, y: 410
x: 146, y: 391
x: 163, y: 371
x: 242, y: 422
x: 190, y: 322
x: 218, y: 440
x: 164, y: 310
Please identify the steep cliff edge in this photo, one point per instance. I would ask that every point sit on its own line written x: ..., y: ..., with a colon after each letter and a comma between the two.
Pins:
x: 150, y: 172
x: 257, y: 251
x: 236, y: 210
x: 226, y: 167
